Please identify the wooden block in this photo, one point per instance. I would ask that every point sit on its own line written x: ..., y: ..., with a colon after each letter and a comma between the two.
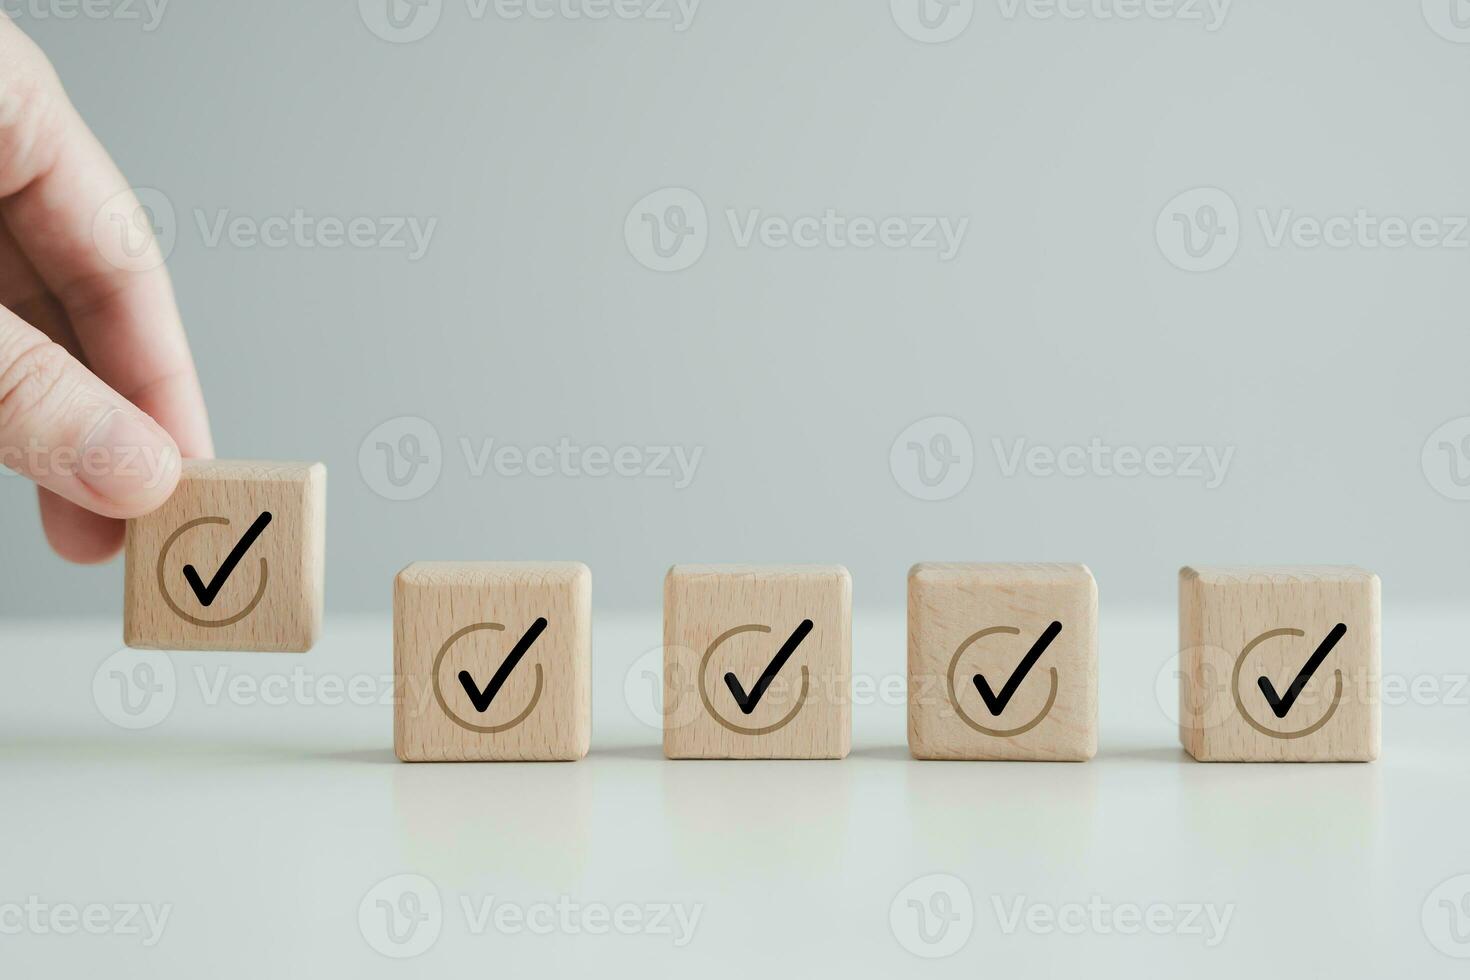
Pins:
x: 1279, y: 664
x: 757, y: 662
x: 1002, y: 662
x: 235, y: 560
x: 492, y: 662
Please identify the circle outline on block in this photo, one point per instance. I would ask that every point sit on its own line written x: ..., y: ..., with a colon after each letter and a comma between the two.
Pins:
x: 954, y: 697
x: 1240, y: 702
x: 195, y: 620
x: 444, y: 704
x: 709, y: 702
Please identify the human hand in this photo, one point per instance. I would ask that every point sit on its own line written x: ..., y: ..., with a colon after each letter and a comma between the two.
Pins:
x: 98, y: 392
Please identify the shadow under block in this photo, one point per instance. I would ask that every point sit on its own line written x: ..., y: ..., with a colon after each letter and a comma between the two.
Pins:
x: 234, y: 560
x: 492, y: 662
x: 1002, y: 662
x: 1279, y: 664
x: 757, y: 662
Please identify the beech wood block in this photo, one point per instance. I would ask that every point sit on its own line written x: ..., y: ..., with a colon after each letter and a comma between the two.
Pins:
x: 492, y: 662
x: 1279, y: 664
x: 234, y: 560
x: 757, y: 662
x: 1002, y: 662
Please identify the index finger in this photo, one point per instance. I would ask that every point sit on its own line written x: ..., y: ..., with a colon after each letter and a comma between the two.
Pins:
x: 84, y: 230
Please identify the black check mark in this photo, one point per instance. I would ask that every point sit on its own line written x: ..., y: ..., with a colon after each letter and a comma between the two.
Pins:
x: 747, y: 702
x: 997, y: 704
x: 1281, y: 706
x: 206, y: 594
x: 481, y: 699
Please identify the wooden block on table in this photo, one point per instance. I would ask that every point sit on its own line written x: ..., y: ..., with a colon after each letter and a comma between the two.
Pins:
x: 1002, y: 662
x: 1279, y: 664
x: 234, y: 560
x: 757, y: 662
x: 492, y: 662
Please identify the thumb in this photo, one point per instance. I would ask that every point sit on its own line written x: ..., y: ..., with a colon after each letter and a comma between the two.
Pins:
x: 65, y: 429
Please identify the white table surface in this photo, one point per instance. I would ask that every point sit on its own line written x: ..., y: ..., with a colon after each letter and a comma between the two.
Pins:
x: 264, y: 808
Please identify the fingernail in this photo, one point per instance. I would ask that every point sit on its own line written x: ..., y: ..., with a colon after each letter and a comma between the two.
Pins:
x: 129, y: 459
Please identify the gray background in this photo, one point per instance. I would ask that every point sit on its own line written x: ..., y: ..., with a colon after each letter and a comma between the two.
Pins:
x: 1061, y: 319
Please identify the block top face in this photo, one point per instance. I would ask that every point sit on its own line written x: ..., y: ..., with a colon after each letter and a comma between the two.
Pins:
x: 259, y: 471
x: 530, y: 573
x: 1276, y: 574
x: 999, y: 573
x: 768, y: 572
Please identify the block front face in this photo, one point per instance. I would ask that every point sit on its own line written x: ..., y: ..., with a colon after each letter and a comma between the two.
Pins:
x: 233, y: 561
x: 1279, y: 664
x: 757, y: 662
x: 1002, y: 662
x: 492, y: 662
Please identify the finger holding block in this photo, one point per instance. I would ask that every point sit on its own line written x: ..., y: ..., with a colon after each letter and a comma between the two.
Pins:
x: 1279, y: 664
x: 757, y: 662
x: 1002, y: 662
x: 492, y: 662
x: 234, y: 560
